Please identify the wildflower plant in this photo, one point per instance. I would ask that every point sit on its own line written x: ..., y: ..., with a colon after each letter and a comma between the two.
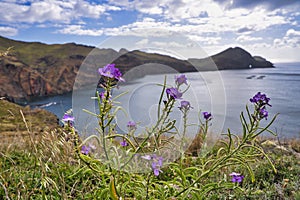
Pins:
x: 123, y: 156
x: 236, y: 177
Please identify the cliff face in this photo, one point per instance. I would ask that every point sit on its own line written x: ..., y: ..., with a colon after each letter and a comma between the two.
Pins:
x: 20, y: 81
x: 34, y: 69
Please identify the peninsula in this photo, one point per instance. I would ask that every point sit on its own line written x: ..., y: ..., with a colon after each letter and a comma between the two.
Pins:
x: 33, y: 69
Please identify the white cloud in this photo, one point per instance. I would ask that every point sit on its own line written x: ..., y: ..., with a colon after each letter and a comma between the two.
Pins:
x: 247, y: 38
x: 79, y: 30
x: 8, y: 31
x: 175, y: 10
x: 205, y: 40
x: 291, y: 39
x: 148, y: 7
x: 292, y: 32
x: 168, y: 44
x: 53, y: 11
x: 142, y: 43
x: 274, y: 54
x: 197, y: 18
x: 207, y: 14
x: 144, y: 27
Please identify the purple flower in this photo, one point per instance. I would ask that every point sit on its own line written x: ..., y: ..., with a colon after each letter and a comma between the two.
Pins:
x: 85, y: 149
x: 156, y: 171
x: 124, y: 143
x: 102, y: 95
x: 181, y: 79
x: 157, y: 162
x: 67, y: 118
x: 174, y: 93
x: 260, y: 99
x: 131, y: 125
x: 263, y: 113
x: 207, y: 116
x: 185, y: 105
x: 111, y: 72
x: 236, y: 177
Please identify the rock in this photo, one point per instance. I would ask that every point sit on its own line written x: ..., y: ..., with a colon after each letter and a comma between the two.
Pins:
x: 238, y: 58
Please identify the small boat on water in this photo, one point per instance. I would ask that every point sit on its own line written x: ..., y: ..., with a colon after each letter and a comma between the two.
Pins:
x: 261, y: 77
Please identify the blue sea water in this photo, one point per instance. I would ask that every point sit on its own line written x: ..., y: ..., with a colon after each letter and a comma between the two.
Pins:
x: 224, y: 93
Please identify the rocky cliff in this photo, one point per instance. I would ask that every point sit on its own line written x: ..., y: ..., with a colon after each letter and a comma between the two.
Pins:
x: 33, y: 69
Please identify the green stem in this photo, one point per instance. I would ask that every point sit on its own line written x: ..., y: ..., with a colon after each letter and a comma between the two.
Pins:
x: 211, y: 169
x: 161, y: 96
x: 103, y: 113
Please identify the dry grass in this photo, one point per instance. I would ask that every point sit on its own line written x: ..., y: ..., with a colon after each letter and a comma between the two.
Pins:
x: 21, y: 126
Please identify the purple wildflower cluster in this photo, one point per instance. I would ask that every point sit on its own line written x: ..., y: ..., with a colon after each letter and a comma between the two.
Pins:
x: 102, y: 95
x: 86, y: 149
x: 207, y: 116
x: 236, y: 177
x: 261, y: 101
x: 131, y: 125
x: 110, y: 71
x: 174, y: 93
x: 185, y: 105
x: 68, y: 118
x: 157, y: 162
x: 123, y: 143
x: 181, y: 79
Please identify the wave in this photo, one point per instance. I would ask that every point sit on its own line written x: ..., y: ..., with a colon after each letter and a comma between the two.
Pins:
x: 46, y: 104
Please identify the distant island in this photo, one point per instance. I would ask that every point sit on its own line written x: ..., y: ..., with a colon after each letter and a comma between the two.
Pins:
x: 35, y: 69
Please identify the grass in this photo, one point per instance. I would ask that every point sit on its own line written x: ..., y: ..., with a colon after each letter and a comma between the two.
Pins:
x: 30, y: 53
x: 16, y: 122
x: 48, y: 168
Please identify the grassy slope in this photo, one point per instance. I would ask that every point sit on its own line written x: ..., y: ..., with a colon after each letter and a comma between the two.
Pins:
x: 51, y: 170
x: 12, y: 126
x: 30, y: 52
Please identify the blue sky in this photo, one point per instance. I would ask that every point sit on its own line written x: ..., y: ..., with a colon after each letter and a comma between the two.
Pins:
x: 269, y: 28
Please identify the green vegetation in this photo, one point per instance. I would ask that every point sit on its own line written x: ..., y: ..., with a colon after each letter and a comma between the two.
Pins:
x: 51, y: 170
x: 12, y: 121
x: 39, y: 50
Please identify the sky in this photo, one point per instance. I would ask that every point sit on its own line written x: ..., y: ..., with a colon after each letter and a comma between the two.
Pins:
x: 269, y: 28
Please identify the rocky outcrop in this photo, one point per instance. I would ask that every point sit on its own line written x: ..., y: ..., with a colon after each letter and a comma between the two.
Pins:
x: 20, y: 81
x: 34, y: 69
x: 238, y: 58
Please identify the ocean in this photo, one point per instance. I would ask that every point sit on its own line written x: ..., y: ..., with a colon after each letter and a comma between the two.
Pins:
x: 223, y: 93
